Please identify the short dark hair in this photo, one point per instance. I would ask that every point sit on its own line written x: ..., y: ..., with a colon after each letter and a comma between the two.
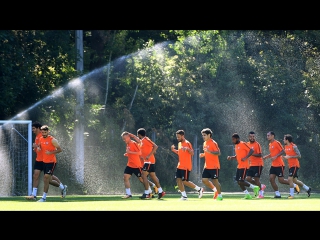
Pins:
x: 141, y: 131
x: 45, y: 127
x: 37, y: 125
x: 181, y: 132
x: 207, y: 131
x: 252, y: 132
x: 288, y: 137
x: 272, y: 133
x: 236, y: 135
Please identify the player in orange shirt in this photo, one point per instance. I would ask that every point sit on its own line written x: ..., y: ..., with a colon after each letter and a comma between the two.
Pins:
x: 277, y: 165
x: 292, y: 156
x: 242, y: 153
x: 148, y: 148
x: 133, y: 166
x: 38, y: 167
x: 49, y: 147
x: 184, y: 167
x: 211, y: 168
x: 256, y: 164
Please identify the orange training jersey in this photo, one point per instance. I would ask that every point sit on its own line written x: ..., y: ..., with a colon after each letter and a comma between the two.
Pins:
x: 292, y: 162
x: 146, y: 146
x: 211, y: 160
x: 275, y: 148
x: 39, y: 153
x: 46, y: 145
x: 185, y: 158
x: 133, y: 159
x: 255, y: 161
x: 242, y: 149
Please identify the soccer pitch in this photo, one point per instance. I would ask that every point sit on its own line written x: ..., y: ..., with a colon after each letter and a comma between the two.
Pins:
x: 170, y: 202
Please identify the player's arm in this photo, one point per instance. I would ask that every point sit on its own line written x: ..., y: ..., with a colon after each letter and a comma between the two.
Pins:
x: 248, y: 155
x: 154, y: 149
x: 298, y: 154
x: 173, y: 149
x: 136, y: 138
x: 266, y: 156
x: 57, y: 145
x: 279, y: 154
x: 232, y: 157
x: 257, y: 154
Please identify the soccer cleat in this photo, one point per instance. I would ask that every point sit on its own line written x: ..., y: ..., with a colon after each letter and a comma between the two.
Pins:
x: 145, y: 196
x: 260, y: 196
x: 290, y: 197
x: 160, y: 195
x: 64, y: 191
x: 277, y: 196
x: 155, y: 189
x: 309, y: 191
x: 256, y: 190
x: 200, y: 192
x: 219, y: 198
x: 184, y: 198
x: 247, y: 196
x: 215, y: 195
x: 263, y: 187
x: 41, y: 200
x: 31, y: 197
x: 297, y: 189
x: 126, y: 196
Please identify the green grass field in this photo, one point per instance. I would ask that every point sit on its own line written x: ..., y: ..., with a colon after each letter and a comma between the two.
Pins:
x: 170, y: 202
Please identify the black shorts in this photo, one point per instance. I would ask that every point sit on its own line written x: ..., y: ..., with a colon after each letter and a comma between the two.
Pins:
x: 38, y: 165
x: 254, y: 171
x: 278, y: 171
x: 210, y: 173
x: 149, y: 167
x: 48, y: 168
x: 183, y: 174
x: 135, y: 171
x: 241, y: 174
x: 293, y: 172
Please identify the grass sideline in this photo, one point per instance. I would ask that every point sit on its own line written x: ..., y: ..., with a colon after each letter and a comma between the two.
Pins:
x: 170, y: 202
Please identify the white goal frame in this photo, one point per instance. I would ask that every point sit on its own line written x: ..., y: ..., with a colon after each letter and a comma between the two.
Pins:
x: 29, y: 140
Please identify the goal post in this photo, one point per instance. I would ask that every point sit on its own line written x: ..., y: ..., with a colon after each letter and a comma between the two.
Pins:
x: 16, y: 157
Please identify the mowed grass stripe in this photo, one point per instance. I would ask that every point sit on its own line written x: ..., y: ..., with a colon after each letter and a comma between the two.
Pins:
x: 170, y: 202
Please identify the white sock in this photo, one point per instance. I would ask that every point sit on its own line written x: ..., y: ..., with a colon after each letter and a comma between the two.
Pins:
x: 292, y: 191
x: 305, y: 187
x: 277, y: 193
x: 251, y: 186
x: 160, y: 190
x: 246, y: 191
x: 184, y: 194
x: 128, y: 191
x: 214, y: 189
x: 61, y: 186
x: 197, y: 188
x: 44, y: 196
x: 34, y: 191
x: 147, y: 192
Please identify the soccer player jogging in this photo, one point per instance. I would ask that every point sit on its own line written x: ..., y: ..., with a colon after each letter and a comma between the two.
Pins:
x: 211, y: 153
x: 184, y: 167
x: 292, y: 156
x: 148, y: 148
x: 277, y: 165
x: 256, y: 164
x: 242, y: 154
x: 38, y: 167
x: 49, y: 147
x: 133, y: 166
